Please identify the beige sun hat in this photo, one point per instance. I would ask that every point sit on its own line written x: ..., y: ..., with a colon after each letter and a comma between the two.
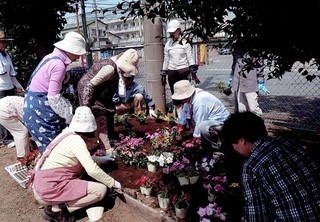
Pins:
x: 182, y: 90
x: 128, y: 62
x: 73, y: 43
x: 3, y: 37
x: 83, y: 120
x: 173, y: 26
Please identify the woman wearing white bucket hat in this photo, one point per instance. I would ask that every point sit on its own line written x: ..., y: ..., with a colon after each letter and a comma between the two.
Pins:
x: 100, y: 83
x: 46, y: 112
x: 57, y: 182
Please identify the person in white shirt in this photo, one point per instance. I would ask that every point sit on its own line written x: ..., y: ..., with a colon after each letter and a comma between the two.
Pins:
x: 8, y: 81
x: 178, y: 61
x: 57, y: 182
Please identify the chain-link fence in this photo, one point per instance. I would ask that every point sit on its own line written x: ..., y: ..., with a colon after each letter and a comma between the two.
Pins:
x: 293, y: 101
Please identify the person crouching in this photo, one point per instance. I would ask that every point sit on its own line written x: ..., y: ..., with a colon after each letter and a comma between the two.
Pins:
x: 56, y: 181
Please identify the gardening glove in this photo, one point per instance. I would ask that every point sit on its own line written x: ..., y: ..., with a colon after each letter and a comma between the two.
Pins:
x: 261, y: 87
x: 230, y: 81
x: 152, y: 113
x: 193, y: 70
x: 117, y: 185
x: 163, y: 74
x: 100, y: 160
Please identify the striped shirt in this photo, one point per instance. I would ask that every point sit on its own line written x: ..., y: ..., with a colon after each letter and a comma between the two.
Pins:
x: 72, y: 150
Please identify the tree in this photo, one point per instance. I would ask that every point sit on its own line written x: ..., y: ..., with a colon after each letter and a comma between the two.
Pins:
x: 35, y: 25
x: 280, y: 32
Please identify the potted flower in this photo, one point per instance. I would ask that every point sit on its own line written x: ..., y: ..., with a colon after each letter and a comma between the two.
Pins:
x: 141, y: 116
x: 210, y: 164
x: 164, y: 199
x: 180, y: 170
x: 193, y: 174
x: 171, y: 118
x: 31, y: 159
x: 152, y: 163
x: 146, y: 183
x: 215, y: 185
x: 131, y: 151
x: 165, y: 160
x: 161, y: 139
x: 211, y: 213
x: 181, y: 204
x: 160, y: 116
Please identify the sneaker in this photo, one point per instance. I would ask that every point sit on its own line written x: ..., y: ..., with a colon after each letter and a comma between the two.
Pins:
x: 51, y: 216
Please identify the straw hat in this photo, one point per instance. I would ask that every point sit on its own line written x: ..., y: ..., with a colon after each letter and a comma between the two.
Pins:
x: 73, y: 43
x: 3, y: 37
x: 173, y: 26
x: 182, y: 90
x: 83, y: 120
x: 128, y: 62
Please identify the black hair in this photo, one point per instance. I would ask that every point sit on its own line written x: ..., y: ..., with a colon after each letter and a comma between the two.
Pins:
x: 246, y: 125
x: 89, y: 135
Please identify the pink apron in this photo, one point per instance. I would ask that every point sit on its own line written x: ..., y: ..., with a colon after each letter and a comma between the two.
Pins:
x: 61, y: 184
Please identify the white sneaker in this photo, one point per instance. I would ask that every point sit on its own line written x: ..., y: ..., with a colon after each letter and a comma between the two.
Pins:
x: 11, y: 145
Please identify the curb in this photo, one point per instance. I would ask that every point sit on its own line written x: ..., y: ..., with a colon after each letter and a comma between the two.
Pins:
x: 145, y: 211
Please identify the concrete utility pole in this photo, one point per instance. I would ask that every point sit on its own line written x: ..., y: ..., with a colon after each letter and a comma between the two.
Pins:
x: 85, y: 33
x: 96, y: 20
x: 153, y: 54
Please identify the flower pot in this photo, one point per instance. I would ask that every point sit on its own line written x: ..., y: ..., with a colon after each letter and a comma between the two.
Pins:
x: 163, y: 202
x: 146, y: 190
x: 181, y: 213
x: 211, y: 197
x: 183, y: 180
x: 152, y: 167
x: 193, y: 179
x: 166, y: 170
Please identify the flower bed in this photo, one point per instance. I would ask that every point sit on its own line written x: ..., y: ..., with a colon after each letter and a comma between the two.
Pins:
x: 186, y: 153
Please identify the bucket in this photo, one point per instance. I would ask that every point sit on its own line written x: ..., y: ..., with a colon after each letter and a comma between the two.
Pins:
x: 95, y: 213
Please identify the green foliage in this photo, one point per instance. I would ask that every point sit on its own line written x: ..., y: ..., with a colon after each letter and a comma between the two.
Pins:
x: 279, y: 32
x: 34, y: 25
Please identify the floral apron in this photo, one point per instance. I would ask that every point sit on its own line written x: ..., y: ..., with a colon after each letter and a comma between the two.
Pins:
x: 42, y: 122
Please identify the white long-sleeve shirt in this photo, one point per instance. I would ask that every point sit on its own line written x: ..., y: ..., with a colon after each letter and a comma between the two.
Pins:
x: 177, y: 55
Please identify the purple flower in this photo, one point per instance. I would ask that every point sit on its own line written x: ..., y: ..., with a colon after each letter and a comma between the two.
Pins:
x: 202, y: 212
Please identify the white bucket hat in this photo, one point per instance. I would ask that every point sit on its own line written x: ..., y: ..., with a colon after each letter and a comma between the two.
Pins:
x: 83, y: 120
x: 182, y: 90
x: 128, y: 62
x: 173, y: 26
x: 73, y: 43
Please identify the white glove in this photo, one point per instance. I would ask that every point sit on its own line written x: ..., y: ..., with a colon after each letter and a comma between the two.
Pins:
x: 117, y: 185
x: 152, y: 113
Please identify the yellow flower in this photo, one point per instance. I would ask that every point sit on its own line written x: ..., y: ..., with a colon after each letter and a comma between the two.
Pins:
x: 234, y: 185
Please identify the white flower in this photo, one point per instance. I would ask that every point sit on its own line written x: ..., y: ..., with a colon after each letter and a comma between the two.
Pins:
x: 152, y: 158
x: 165, y: 159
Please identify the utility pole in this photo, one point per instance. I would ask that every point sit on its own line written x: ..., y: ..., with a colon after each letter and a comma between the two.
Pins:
x: 153, y: 54
x: 85, y: 33
x: 78, y: 26
x: 96, y: 20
